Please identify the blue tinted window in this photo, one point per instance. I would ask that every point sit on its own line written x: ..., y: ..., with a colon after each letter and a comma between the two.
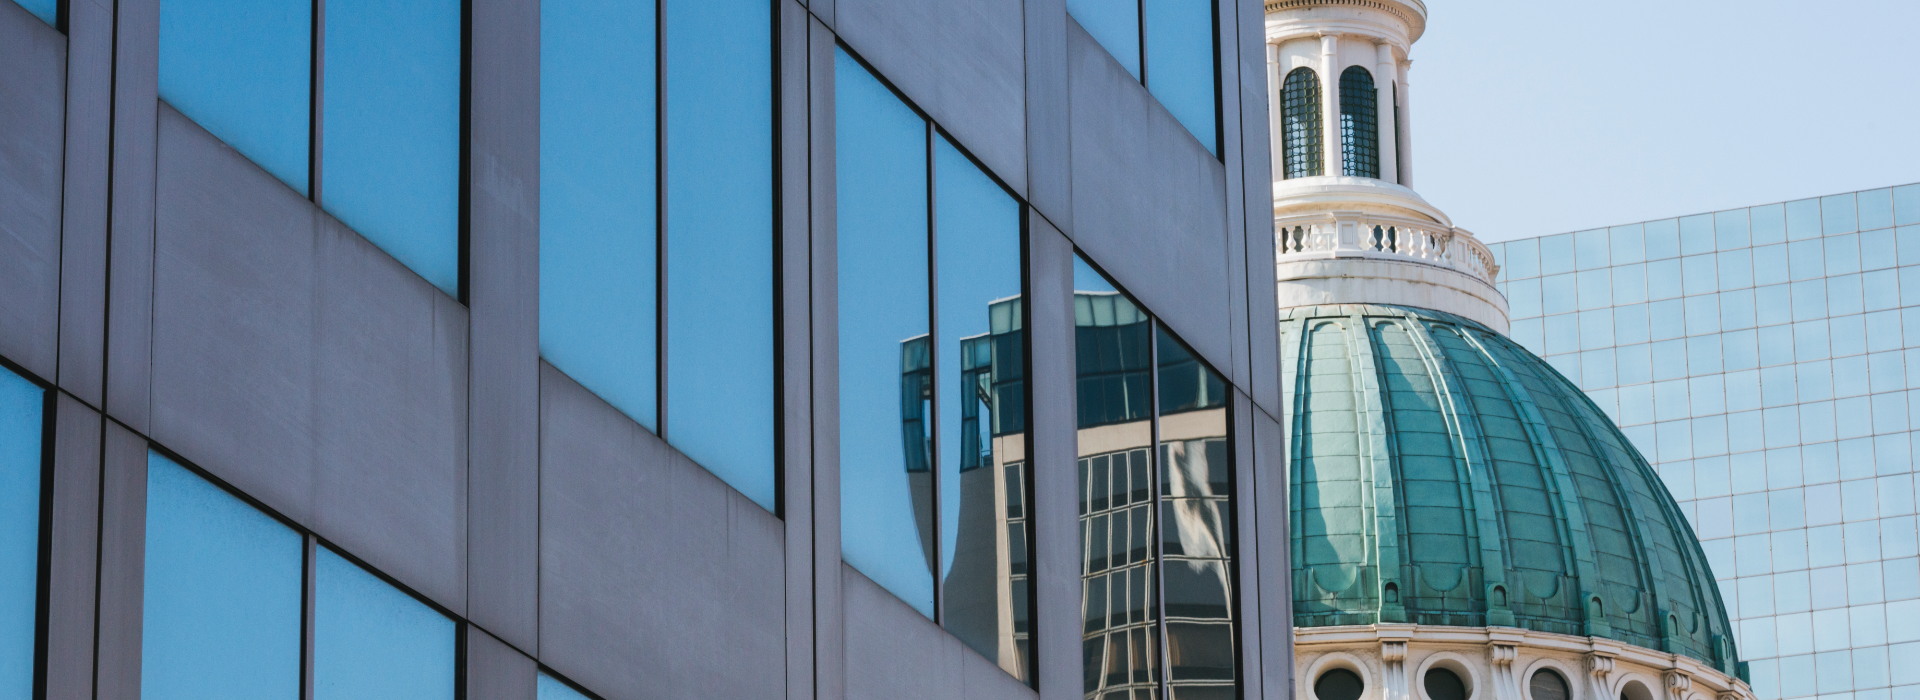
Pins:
x: 1629, y: 244
x: 719, y: 228
x: 1876, y: 209
x: 885, y: 388
x: 243, y: 69
x: 21, y: 405
x: 47, y: 10
x: 1591, y: 249
x: 981, y: 364
x: 1180, y: 63
x: 223, y: 592
x: 1769, y: 224
x: 1838, y: 215
x: 1730, y: 229
x: 1115, y: 24
x: 550, y: 688
x: 1696, y: 234
x: 1523, y: 260
x: 1556, y: 254
x: 390, y: 129
x: 1663, y: 239
x: 373, y: 642
x: 597, y: 199
x: 1803, y: 219
x: 1906, y: 205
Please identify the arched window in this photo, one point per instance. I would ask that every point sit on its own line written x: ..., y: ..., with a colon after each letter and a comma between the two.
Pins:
x: 1300, y: 124
x: 1359, y: 124
x: 1338, y: 684
x: 1547, y: 685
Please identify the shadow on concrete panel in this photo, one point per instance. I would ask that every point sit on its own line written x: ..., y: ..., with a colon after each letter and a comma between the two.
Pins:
x: 656, y: 578
x: 33, y: 97
x: 306, y: 367
x: 893, y: 651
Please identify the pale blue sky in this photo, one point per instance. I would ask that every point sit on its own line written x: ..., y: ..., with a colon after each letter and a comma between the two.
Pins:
x: 1535, y: 117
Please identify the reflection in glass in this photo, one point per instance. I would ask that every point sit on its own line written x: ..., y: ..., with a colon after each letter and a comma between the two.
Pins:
x: 242, y: 69
x: 1113, y: 23
x: 222, y: 613
x: 1179, y: 37
x: 550, y: 688
x: 390, y: 166
x: 47, y: 10
x: 719, y: 229
x: 597, y: 213
x: 372, y: 641
x: 982, y: 395
x: 1196, y: 517
x: 21, y: 405
x: 1121, y: 632
x: 881, y: 166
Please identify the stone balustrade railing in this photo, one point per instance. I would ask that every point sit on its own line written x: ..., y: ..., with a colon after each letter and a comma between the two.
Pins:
x: 1361, y: 235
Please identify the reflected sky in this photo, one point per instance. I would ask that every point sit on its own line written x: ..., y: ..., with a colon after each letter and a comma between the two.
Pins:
x: 20, y: 424
x: 242, y: 69
x: 372, y: 641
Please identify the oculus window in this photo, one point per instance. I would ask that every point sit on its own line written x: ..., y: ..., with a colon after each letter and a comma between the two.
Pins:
x: 1156, y: 504
x: 933, y: 392
x: 22, y: 417
x: 657, y: 235
x: 1169, y: 46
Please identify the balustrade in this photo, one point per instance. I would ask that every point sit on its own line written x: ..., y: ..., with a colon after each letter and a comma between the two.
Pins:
x: 1321, y: 237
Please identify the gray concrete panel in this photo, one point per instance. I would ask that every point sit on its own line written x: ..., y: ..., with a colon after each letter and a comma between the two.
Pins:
x: 1246, y: 553
x: 1056, y: 508
x: 304, y: 366
x: 1275, y: 590
x: 32, y: 106
x: 958, y: 61
x: 1256, y: 168
x: 136, y: 96
x: 1226, y: 37
x: 893, y: 651
x: 73, y: 549
x: 503, y: 293
x: 123, y: 563
x: 829, y: 636
x: 795, y: 349
x: 83, y: 221
x: 496, y: 671
x: 1049, y: 146
x: 1149, y: 202
x: 656, y: 578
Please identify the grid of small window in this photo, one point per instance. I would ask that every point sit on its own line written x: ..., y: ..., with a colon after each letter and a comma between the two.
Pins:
x: 1359, y: 125
x: 1767, y: 362
x: 1300, y: 124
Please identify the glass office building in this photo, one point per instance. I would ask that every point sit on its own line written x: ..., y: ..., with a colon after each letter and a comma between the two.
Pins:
x: 1762, y: 359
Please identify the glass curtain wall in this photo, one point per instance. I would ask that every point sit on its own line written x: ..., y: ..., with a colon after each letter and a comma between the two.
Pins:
x: 1767, y: 361
x: 225, y: 605
x: 22, y: 407
x: 674, y: 329
x: 1156, y: 505
x: 243, y: 70
x: 1169, y: 46
x: 934, y: 478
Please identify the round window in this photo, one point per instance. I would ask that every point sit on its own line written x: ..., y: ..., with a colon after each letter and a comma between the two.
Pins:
x: 1338, y: 684
x: 1547, y: 685
x: 1443, y: 684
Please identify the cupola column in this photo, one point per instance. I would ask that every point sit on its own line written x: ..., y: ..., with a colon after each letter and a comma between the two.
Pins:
x: 1331, y: 145
x: 1386, y: 80
x: 1405, y: 126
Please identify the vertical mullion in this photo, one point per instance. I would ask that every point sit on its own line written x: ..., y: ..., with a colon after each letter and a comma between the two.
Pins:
x: 932, y: 419
x: 307, y: 602
x: 660, y: 217
x: 316, y: 95
x: 1140, y: 30
x: 463, y: 282
x: 1154, y: 500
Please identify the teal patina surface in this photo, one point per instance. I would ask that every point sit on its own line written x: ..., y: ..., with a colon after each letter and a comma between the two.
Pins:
x: 1442, y: 475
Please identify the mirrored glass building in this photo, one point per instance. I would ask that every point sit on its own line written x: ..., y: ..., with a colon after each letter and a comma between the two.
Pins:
x: 1761, y: 359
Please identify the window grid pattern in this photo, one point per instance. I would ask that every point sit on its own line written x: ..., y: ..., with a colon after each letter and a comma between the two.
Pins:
x: 1359, y: 124
x: 1767, y: 361
x: 1300, y: 124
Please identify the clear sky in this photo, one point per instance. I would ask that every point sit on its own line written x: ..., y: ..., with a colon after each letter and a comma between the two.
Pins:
x: 1534, y: 117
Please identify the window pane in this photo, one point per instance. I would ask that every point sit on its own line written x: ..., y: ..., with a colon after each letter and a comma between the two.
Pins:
x: 981, y: 362
x: 21, y: 405
x: 372, y: 641
x: 1113, y: 358
x: 597, y: 191
x: 720, y: 238
x: 223, y: 588
x: 1180, y: 63
x: 1196, y: 518
x: 550, y: 688
x: 886, y: 483
x: 1115, y: 24
x: 243, y: 70
x: 46, y: 10
x: 390, y: 129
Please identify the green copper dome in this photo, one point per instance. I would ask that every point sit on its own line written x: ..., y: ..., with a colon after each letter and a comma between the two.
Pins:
x: 1442, y: 475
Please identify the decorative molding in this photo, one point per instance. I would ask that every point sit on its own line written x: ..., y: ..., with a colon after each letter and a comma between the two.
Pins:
x: 1389, y: 8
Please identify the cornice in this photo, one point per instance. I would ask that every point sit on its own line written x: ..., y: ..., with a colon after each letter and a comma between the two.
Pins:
x: 1412, y: 13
